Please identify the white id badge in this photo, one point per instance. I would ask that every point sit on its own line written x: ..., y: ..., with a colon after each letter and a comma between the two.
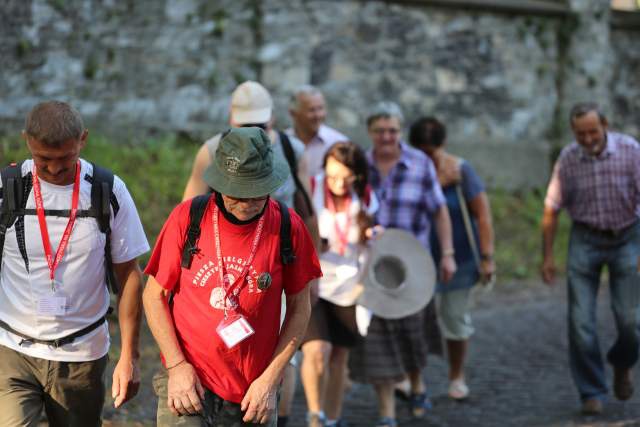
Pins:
x: 52, y: 306
x: 233, y: 330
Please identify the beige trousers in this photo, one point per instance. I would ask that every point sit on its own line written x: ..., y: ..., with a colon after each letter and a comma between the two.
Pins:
x: 72, y: 393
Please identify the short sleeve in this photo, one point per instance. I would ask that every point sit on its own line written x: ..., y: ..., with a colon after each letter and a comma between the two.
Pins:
x: 128, y: 240
x: 165, y: 262
x: 306, y: 267
x: 553, y: 199
x: 433, y: 192
x: 471, y: 183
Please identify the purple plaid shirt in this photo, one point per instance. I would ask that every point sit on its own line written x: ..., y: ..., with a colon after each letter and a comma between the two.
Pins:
x: 603, y: 191
x: 409, y: 195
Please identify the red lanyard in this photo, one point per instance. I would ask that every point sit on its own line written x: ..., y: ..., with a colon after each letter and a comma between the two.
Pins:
x: 221, y: 269
x: 342, y: 235
x: 46, y: 243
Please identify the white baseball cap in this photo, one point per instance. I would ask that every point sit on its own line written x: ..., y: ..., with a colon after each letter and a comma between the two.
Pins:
x: 251, y: 104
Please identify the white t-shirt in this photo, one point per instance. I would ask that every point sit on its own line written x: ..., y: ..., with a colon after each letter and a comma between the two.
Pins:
x: 340, y: 272
x: 80, y: 275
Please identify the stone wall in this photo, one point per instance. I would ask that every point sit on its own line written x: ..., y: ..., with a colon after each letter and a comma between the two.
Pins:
x: 501, y: 81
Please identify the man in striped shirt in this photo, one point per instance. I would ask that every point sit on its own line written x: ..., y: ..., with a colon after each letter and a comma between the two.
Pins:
x: 597, y: 180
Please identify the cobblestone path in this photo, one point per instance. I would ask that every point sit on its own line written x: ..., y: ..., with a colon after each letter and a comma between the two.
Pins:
x: 517, y: 371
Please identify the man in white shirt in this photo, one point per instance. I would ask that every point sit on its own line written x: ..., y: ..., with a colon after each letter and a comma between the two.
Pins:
x: 54, y: 337
x: 308, y: 111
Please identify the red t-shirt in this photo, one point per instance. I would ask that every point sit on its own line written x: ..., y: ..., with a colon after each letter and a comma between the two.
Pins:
x: 197, y: 310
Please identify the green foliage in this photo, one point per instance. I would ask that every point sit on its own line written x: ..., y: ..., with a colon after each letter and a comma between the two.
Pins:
x: 155, y: 171
x: 518, y: 234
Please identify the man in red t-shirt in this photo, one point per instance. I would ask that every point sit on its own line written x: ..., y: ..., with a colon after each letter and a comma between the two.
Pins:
x: 220, y: 337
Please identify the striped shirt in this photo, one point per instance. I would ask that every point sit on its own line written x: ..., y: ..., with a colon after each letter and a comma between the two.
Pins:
x: 409, y: 195
x: 601, y: 191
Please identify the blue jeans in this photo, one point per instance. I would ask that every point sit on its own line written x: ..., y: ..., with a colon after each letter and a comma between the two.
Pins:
x: 589, y: 251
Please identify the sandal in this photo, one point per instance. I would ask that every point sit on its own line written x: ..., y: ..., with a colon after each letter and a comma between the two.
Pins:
x: 387, y: 422
x: 458, y: 390
x: 420, y: 404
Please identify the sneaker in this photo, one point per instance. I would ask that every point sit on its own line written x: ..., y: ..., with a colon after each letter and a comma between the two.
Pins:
x: 315, y: 419
x: 592, y: 406
x: 622, y: 383
x: 419, y: 404
x: 458, y: 390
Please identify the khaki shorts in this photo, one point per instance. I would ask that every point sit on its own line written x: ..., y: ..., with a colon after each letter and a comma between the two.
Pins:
x: 217, y: 412
x: 453, y: 314
x: 72, y: 393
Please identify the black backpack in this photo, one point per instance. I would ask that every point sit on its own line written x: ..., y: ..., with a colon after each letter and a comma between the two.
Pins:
x: 15, y: 191
x: 14, y: 194
x: 196, y: 212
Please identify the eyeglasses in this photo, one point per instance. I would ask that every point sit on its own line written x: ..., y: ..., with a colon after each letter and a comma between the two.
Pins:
x: 348, y: 180
x: 248, y: 199
x: 380, y: 131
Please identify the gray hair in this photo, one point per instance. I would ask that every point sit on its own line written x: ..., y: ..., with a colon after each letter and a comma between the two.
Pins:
x: 385, y: 110
x: 582, y: 108
x: 53, y: 122
x: 309, y: 90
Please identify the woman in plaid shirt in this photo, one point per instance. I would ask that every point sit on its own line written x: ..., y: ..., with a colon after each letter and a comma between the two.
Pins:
x: 405, y: 182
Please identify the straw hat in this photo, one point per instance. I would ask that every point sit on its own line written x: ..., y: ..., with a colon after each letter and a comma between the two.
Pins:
x: 399, y: 277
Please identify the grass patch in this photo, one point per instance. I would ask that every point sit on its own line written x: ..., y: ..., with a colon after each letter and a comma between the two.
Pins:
x: 156, y: 172
x: 517, y: 219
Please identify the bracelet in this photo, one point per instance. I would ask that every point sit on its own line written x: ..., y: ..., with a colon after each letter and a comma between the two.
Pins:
x: 177, y: 364
x: 448, y: 252
x: 486, y: 257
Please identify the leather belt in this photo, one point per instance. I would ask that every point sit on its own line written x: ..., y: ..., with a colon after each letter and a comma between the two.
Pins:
x: 610, y: 233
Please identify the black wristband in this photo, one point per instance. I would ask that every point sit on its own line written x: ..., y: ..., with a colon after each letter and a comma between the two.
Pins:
x: 486, y: 257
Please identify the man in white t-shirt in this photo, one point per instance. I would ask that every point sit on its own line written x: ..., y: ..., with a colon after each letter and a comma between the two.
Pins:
x: 308, y: 111
x: 54, y: 337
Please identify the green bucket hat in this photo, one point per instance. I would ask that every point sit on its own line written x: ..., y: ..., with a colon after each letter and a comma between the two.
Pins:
x: 245, y: 166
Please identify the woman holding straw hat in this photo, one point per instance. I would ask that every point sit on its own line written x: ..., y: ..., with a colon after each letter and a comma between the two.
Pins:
x: 344, y: 206
x: 411, y: 199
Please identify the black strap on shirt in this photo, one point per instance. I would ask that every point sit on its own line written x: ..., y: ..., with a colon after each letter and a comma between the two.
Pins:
x: 58, y: 342
x: 287, y: 149
x: 15, y: 193
x: 192, y: 236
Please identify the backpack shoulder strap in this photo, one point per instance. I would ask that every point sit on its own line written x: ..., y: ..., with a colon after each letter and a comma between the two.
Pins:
x: 287, y: 149
x: 101, y: 200
x: 101, y: 190
x: 286, y: 246
x: 196, y: 212
x: 12, y: 191
x: 12, y: 198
